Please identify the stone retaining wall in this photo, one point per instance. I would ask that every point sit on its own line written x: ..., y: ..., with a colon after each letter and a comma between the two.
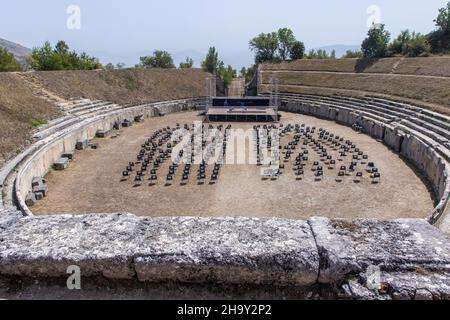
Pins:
x: 252, y: 251
x: 421, y: 151
x: 39, y: 158
x: 408, y: 258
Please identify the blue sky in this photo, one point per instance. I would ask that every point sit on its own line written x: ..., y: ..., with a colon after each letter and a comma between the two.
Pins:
x: 121, y: 31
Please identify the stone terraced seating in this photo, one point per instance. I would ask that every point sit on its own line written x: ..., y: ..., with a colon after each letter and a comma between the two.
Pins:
x: 419, y: 135
x: 428, y: 123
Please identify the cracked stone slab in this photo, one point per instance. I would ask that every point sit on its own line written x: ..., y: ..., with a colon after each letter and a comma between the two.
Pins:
x: 230, y: 250
x: 47, y: 246
x: 119, y: 246
x: 8, y: 217
x: 350, y: 247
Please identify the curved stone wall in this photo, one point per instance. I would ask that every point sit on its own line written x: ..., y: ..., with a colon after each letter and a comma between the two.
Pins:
x: 38, y: 159
x: 430, y: 156
x: 320, y: 251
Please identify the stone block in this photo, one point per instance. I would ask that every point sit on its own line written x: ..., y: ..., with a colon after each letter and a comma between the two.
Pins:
x: 30, y: 199
x: 139, y: 118
x: 102, y: 133
x: 39, y: 195
x: 81, y: 145
x: 348, y: 247
x: 68, y: 155
x: 228, y: 250
x: 61, y: 164
x: 127, y: 123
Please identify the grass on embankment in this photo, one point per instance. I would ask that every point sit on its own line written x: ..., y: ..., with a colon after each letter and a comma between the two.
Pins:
x: 424, y: 89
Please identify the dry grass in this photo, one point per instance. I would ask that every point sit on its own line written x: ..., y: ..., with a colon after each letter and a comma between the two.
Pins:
x: 130, y: 86
x: 429, y: 90
x: 22, y: 108
x: 20, y: 112
x: 431, y: 66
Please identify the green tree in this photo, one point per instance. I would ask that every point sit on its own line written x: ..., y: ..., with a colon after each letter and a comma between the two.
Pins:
x: 400, y: 44
x: 320, y: 54
x: 440, y: 38
x: 349, y: 54
x: 120, y: 66
x: 187, y: 64
x: 211, y: 62
x: 286, y: 40
x: 159, y: 59
x: 227, y: 74
x: 243, y: 72
x: 265, y: 46
x: 46, y: 58
x: 443, y: 19
x: 249, y: 73
x: 297, y: 50
x: 8, y: 62
x: 418, y: 45
x: 108, y: 66
x: 333, y: 54
x: 376, y: 43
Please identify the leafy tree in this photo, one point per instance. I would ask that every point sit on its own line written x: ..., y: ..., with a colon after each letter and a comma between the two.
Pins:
x: 400, y: 44
x: 277, y: 46
x: 265, y: 47
x: 320, y: 54
x: 418, y: 45
x: 410, y: 44
x: 352, y: 54
x: 46, y: 58
x: 8, y: 62
x: 376, y: 43
x: 286, y: 41
x: 443, y: 19
x: 243, y: 72
x: 187, y: 64
x: 440, y: 39
x: 120, y: 65
x: 159, y: 59
x: 249, y: 73
x: 109, y: 66
x: 333, y: 54
x: 211, y: 62
x: 227, y: 74
x: 297, y: 50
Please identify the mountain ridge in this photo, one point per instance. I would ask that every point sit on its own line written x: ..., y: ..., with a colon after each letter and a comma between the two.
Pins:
x: 20, y: 52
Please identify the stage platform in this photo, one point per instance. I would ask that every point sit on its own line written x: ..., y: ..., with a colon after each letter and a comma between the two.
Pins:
x: 247, y: 109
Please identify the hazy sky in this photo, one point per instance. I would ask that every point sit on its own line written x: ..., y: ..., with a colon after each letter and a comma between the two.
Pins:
x: 123, y: 30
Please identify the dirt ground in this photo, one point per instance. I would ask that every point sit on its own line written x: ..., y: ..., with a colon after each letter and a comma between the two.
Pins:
x: 93, y: 183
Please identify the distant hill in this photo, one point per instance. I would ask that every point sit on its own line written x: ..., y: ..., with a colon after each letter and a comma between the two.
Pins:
x: 340, y: 49
x: 20, y: 52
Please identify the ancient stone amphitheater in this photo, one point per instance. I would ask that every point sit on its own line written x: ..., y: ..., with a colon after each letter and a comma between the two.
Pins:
x: 397, y: 106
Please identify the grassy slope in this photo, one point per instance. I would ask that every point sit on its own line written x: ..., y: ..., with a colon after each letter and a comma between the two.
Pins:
x: 21, y: 108
x: 431, y: 66
x: 131, y: 86
x: 406, y: 79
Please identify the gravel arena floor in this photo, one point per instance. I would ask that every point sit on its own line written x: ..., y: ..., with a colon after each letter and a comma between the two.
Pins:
x: 92, y: 183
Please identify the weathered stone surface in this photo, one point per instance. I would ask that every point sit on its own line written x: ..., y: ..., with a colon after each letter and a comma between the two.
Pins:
x: 404, y: 244
x: 46, y: 246
x: 419, y: 284
x: 240, y: 250
x: 230, y: 250
x: 8, y: 216
x: 61, y: 164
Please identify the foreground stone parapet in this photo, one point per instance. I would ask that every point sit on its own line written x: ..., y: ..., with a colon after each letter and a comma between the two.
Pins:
x: 403, y: 245
x: 229, y: 250
x: 359, y: 259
